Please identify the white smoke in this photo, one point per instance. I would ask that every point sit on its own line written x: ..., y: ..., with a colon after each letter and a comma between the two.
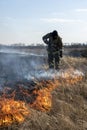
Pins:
x: 16, y: 66
x: 22, y: 53
x: 52, y: 74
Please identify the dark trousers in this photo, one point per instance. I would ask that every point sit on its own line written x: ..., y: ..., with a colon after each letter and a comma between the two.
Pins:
x: 53, y: 60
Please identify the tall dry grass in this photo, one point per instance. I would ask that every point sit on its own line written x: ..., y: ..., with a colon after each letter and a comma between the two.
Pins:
x: 69, y: 104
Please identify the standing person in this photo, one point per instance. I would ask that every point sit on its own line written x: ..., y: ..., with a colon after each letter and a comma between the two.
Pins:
x: 54, y: 48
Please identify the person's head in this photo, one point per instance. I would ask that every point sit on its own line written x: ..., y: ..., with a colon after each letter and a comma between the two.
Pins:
x: 55, y: 34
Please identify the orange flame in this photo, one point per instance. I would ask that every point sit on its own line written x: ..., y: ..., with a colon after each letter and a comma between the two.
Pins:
x: 16, y: 111
x: 12, y: 111
x: 70, y: 77
x: 43, y: 100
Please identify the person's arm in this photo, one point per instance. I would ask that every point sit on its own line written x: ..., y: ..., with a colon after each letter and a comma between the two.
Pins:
x: 46, y: 38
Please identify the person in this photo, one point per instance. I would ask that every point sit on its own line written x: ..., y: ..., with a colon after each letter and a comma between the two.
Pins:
x: 54, y: 48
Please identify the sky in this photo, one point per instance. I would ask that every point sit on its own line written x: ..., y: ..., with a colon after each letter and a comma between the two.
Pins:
x: 26, y: 21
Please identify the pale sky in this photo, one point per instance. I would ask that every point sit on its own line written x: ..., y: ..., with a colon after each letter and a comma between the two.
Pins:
x: 26, y: 21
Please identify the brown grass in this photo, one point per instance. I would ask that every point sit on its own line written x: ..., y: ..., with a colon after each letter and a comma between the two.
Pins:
x: 69, y: 105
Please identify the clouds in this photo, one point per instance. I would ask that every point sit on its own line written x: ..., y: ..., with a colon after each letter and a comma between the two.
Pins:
x: 71, y: 24
x: 83, y: 10
x: 72, y: 16
x: 26, y: 21
x: 69, y: 16
x: 61, y: 20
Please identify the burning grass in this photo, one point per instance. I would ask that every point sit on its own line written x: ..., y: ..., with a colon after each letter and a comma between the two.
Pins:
x: 13, y: 110
x: 43, y: 100
x: 16, y: 111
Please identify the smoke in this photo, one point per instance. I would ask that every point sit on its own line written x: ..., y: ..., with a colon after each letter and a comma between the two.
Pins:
x: 52, y: 74
x: 15, y: 66
x: 19, y: 66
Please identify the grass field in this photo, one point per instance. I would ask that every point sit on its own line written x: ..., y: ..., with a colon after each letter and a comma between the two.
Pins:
x: 60, y: 103
x: 69, y: 103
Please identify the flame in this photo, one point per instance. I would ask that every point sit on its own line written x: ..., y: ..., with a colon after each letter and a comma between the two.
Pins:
x: 71, y: 76
x: 12, y: 111
x: 43, y: 100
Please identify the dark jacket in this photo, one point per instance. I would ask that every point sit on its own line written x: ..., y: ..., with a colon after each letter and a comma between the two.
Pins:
x: 54, y: 43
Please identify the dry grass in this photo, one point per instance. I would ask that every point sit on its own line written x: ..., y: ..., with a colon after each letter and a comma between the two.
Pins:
x: 69, y: 105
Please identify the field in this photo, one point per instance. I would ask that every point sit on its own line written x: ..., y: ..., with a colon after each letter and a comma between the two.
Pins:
x: 67, y: 89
